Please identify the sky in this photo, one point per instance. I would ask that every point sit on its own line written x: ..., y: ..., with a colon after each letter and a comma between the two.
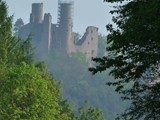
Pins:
x: 85, y: 12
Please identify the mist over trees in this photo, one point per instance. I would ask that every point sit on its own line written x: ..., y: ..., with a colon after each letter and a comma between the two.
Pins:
x: 134, y: 56
x: 79, y: 85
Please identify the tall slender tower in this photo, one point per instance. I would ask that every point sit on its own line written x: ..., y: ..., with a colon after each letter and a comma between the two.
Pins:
x: 37, y: 13
x: 65, y: 25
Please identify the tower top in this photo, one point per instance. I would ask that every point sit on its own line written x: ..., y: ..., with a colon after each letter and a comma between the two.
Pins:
x: 65, y: 1
x: 37, y: 3
x: 37, y: 13
x: 65, y: 10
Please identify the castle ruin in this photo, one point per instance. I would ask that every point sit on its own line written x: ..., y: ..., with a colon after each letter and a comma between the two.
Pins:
x: 47, y: 36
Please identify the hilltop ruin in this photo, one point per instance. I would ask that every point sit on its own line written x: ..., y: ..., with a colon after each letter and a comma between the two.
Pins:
x: 48, y: 36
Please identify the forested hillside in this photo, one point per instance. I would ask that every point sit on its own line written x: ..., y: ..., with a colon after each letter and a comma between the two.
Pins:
x: 79, y: 85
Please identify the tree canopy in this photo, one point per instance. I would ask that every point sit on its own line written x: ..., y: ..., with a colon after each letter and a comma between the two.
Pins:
x: 12, y: 49
x: 134, y: 56
x: 26, y: 93
x: 89, y: 113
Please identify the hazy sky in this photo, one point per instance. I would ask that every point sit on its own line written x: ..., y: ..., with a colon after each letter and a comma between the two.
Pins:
x: 85, y: 12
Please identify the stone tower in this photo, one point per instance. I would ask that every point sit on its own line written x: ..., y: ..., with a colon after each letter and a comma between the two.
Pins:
x: 65, y: 25
x: 37, y: 13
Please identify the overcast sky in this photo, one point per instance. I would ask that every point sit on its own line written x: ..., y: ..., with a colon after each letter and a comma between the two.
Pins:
x: 85, y: 12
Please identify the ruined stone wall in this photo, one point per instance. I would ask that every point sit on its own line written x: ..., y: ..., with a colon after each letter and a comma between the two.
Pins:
x: 88, y: 44
x: 46, y: 35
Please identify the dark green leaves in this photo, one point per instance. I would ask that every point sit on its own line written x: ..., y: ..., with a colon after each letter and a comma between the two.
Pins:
x: 134, y: 56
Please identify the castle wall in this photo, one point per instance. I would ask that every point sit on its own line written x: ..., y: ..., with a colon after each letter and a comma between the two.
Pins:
x: 89, y: 44
x: 55, y: 42
x: 45, y: 43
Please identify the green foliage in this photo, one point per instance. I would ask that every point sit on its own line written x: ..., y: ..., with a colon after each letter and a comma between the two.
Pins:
x: 67, y: 111
x: 89, y: 113
x: 134, y: 45
x: 80, y: 57
x: 12, y: 50
x: 27, y: 50
x: 26, y: 93
x: 79, y: 85
x: 5, y: 33
x: 133, y: 56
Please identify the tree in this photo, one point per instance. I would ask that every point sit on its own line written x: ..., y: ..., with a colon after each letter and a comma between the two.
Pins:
x: 18, y: 24
x: 134, y: 56
x: 5, y: 32
x: 89, y: 113
x: 27, y: 51
x: 12, y: 49
x: 27, y: 93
